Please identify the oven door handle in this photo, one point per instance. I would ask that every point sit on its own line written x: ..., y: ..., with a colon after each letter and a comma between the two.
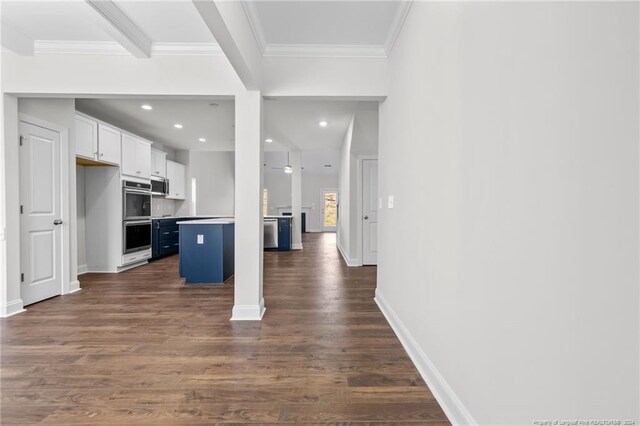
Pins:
x: 137, y: 191
x: 137, y: 222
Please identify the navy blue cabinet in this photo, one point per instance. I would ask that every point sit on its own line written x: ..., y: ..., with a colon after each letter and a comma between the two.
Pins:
x: 207, y: 252
x: 284, y: 233
x: 164, y: 238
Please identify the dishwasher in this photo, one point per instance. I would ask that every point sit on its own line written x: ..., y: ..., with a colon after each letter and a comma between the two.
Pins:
x: 271, y: 233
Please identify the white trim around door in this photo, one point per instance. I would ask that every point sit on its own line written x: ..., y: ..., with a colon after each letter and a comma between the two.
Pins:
x: 63, y: 260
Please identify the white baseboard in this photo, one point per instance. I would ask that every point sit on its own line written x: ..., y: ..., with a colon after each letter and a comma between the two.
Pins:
x: 349, y: 261
x: 296, y: 246
x: 74, y: 286
x: 448, y: 400
x: 314, y: 230
x: 248, y: 312
x: 12, y: 308
x: 82, y: 269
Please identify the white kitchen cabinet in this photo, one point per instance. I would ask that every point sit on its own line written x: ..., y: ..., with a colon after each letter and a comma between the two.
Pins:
x: 108, y: 144
x: 177, y: 177
x: 158, y: 163
x: 86, y: 137
x: 136, y: 157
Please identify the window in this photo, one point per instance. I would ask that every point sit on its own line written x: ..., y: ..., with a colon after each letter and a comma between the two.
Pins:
x: 265, y: 202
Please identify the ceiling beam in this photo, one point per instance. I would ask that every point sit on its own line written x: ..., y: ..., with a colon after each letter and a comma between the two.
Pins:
x: 230, y: 26
x: 16, y: 41
x: 122, y: 28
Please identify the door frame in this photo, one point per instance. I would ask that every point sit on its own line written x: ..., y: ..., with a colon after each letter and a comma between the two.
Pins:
x: 65, y: 251
x: 322, y: 191
x: 359, y: 207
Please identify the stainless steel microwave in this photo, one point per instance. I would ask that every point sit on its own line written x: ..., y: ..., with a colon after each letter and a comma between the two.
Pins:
x: 159, y: 186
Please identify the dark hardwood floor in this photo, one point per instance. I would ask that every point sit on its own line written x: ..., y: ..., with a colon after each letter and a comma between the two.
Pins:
x: 141, y: 347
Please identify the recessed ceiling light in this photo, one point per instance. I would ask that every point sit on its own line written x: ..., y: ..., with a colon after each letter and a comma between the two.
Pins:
x: 322, y: 123
x: 214, y: 105
x: 146, y: 107
x: 268, y: 140
x: 202, y: 140
x: 327, y: 165
x: 178, y: 126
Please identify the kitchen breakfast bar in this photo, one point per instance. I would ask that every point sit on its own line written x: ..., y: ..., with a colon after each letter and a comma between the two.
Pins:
x: 207, y: 248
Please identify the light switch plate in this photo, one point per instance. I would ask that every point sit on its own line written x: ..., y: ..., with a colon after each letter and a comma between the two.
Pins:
x: 390, y: 201
x: 200, y: 239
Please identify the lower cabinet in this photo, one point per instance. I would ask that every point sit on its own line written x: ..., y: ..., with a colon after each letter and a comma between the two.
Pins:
x: 284, y: 234
x: 165, y: 238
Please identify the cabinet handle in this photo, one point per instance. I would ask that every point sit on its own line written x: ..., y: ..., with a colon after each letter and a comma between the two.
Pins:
x: 176, y: 244
x: 175, y: 232
x: 166, y: 246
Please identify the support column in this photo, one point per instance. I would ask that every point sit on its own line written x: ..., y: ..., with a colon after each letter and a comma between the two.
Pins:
x: 248, y: 299
x: 296, y: 199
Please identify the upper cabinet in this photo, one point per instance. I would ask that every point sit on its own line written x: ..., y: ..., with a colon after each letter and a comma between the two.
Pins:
x: 158, y: 163
x: 97, y: 141
x: 86, y: 137
x: 177, y: 177
x: 136, y: 157
x: 108, y: 144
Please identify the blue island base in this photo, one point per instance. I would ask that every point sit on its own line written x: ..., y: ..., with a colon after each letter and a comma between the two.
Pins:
x: 206, y: 251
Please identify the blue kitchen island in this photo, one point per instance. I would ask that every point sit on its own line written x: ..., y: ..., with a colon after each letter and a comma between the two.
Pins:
x: 206, y: 250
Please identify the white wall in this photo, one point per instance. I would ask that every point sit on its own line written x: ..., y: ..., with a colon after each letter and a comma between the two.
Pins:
x: 361, y: 139
x: 81, y: 212
x: 215, y: 181
x: 509, y: 140
x: 347, y: 164
x: 59, y: 112
x: 278, y: 185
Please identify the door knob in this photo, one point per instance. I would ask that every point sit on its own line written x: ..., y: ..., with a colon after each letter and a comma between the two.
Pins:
x: 366, y: 217
x: 57, y: 222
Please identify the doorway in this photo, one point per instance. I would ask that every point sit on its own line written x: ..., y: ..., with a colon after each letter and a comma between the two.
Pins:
x: 329, y: 210
x: 41, y: 225
x: 369, y: 212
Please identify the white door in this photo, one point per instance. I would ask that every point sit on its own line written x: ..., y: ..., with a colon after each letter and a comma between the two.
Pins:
x: 329, y: 210
x: 369, y: 212
x: 41, y: 224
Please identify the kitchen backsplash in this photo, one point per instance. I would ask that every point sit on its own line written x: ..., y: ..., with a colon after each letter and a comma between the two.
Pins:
x: 163, y: 207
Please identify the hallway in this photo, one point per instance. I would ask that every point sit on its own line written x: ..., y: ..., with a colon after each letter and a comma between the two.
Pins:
x: 140, y: 347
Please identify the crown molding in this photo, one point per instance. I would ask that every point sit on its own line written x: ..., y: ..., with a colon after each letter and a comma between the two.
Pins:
x: 254, y: 22
x: 397, y: 25
x: 323, y: 51
x: 123, y: 30
x: 64, y: 47
x: 186, y: 49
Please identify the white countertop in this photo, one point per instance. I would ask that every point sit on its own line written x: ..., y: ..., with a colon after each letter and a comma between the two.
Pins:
x: 207, y: 222
x: 204, y: 216
x: 213, y: 216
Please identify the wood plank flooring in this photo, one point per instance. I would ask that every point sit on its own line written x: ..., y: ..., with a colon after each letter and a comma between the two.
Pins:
x: 140, y: 347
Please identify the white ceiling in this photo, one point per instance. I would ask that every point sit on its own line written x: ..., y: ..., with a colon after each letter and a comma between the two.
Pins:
x: 198, y: 117
x: 72, y: 26
x: 41, y: 20
x: 360, y: 28
x: 294, y: 123
x: 317, y: 162
x: 281, y: 28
